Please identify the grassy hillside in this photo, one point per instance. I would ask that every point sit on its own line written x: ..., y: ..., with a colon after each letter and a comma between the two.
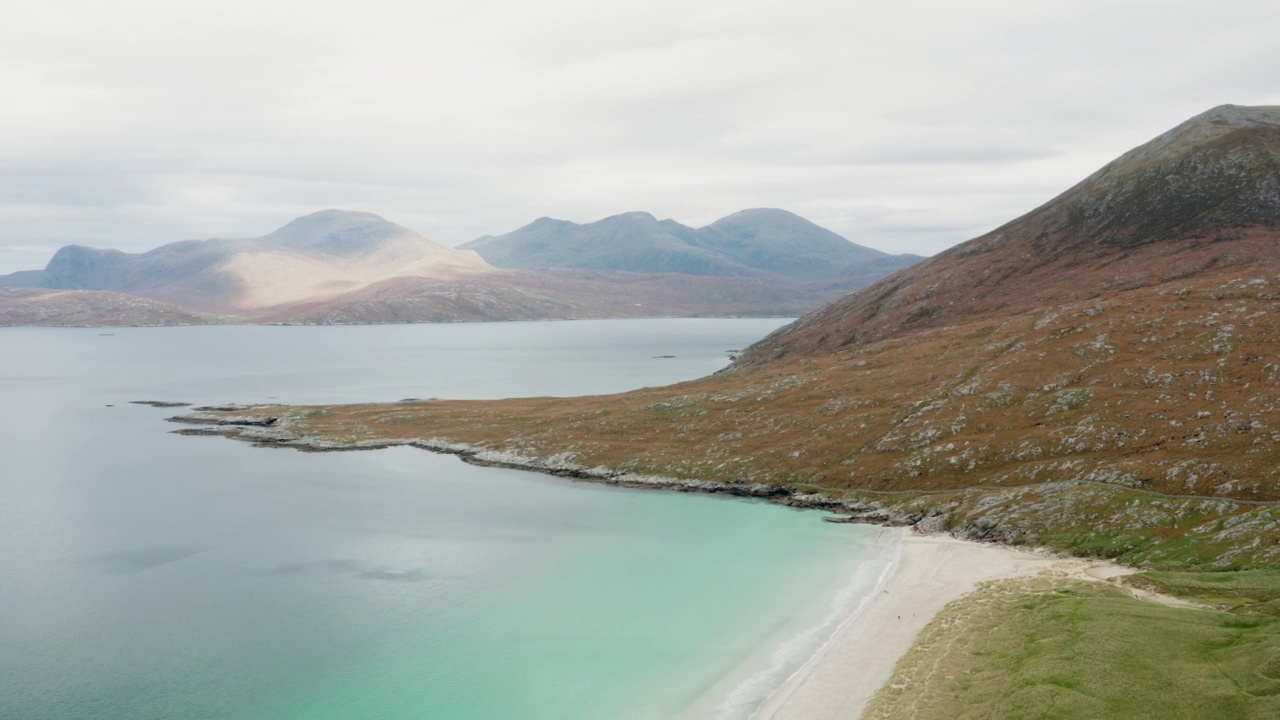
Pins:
x: 1054, y: 648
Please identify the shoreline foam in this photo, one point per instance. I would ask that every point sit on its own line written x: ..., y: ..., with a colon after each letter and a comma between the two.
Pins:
x: 780, y: 694
x: 738, y: 695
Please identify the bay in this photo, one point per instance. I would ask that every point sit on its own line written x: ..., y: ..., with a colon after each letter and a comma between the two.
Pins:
x: 148, y: 575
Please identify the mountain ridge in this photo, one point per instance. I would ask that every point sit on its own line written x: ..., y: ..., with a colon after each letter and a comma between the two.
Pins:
x: 344, y: 266
x: 764, y: 243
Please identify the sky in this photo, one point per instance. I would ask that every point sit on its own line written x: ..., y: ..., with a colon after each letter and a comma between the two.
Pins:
x: 906, y: 126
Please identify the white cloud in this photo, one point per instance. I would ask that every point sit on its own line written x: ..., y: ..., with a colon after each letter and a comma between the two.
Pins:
x: 908, y: 127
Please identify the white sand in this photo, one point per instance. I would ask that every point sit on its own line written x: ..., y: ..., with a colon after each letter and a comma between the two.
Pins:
x: 933, y: 571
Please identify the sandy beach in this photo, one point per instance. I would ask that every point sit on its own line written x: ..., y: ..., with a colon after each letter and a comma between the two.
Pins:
x: 933, y: 570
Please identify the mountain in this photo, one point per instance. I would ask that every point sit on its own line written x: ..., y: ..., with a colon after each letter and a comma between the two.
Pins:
x: 322, y: 255
x: 1202, y: 196
x: 780, y: 242
x: 1098, y: 376
x: 774, y: 246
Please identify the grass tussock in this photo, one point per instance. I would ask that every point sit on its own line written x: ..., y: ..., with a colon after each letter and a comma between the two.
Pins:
x: 1251, y: 591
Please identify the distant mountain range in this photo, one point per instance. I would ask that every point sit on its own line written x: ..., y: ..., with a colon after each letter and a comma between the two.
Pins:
x: 338, y: 266
x: 775, y: 246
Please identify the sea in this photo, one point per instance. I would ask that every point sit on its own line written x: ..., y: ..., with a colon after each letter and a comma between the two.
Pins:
x: 149, y: 575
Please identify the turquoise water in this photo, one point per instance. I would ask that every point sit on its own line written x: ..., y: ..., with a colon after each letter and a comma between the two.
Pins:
x: 148, y: 575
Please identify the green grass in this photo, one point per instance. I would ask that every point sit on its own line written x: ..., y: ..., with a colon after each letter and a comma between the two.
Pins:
x: 1253, y: 591
x: 1059, y: 649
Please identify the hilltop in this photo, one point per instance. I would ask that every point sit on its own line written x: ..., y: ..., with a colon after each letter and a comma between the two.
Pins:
x: 1097, y: 376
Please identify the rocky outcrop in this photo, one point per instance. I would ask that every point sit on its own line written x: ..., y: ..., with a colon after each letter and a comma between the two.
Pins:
x: 269, y: 427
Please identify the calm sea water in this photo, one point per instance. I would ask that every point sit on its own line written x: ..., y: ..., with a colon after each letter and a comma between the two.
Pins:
x: 148, y: 575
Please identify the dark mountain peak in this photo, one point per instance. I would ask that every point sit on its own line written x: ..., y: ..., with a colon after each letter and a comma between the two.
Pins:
x: 336, y: 232
x: 1219, y: 169
x: 1192, y: 135
x: 1219, y: 121
x: 1202, y: 197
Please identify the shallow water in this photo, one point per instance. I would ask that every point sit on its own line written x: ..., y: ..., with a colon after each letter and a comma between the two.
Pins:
x: 148, y: 575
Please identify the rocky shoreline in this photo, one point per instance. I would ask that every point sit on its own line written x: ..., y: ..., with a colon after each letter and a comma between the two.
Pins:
x: 265, y: 426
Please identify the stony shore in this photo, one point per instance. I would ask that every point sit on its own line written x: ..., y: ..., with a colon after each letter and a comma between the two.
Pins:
x: 271, y: 427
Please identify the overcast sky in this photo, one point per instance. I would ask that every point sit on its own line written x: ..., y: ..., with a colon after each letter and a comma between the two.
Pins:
x: 906, y: 126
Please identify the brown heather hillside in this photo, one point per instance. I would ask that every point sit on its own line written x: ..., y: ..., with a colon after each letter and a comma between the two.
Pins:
x: 1204, y: 195
x: 1100, y: 376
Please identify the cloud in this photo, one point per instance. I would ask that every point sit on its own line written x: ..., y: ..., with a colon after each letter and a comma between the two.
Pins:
x: 38, y: 249
x: 954, y: 155
x: 140, y: 122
